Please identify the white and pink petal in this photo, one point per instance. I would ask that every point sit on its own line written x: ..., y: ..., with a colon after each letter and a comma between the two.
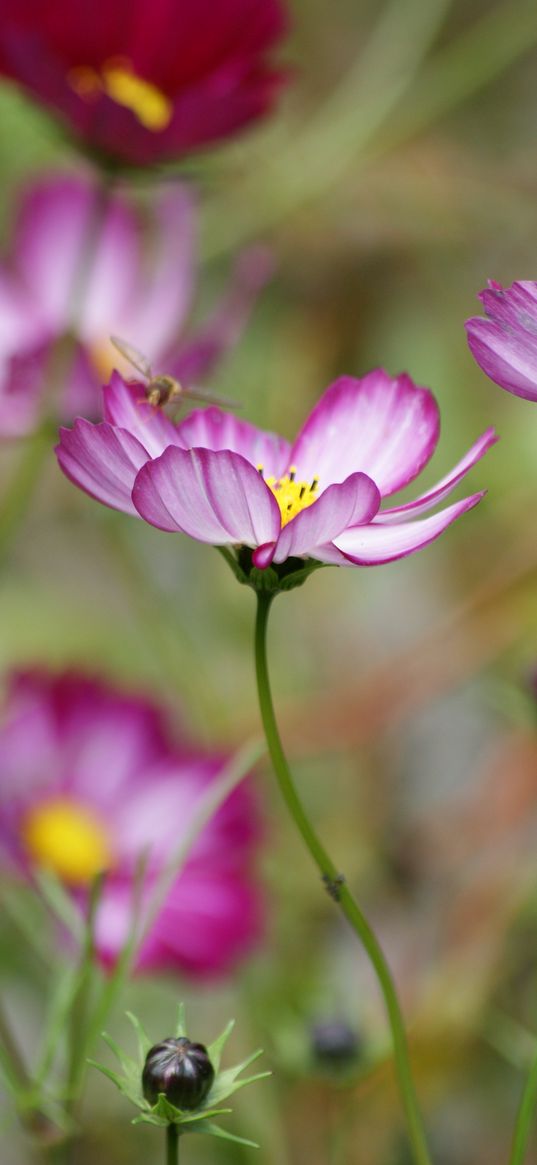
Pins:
x: 213, y: 428
x: 215, y: 497
x: 444, y: 487
x: 125, y: 406
x: 348, y: 503
x: 505, y: 343
x: 386, y: 427
x: 103, y: 461
x: 379, y: 543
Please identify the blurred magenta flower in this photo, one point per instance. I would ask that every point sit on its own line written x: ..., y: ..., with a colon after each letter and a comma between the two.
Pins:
x: 90, y: 780
x: 85, y: 266
x: 147, y: 80
x: 505, y: 343
x: 223, y: 481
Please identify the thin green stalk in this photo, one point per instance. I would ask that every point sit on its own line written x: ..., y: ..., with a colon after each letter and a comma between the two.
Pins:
x: 11, y: 1058
x: 172, y: 1145
x: 337, y: 888
x: 80, y: 1004
x: 525, y: 1118
x: 21, y: 488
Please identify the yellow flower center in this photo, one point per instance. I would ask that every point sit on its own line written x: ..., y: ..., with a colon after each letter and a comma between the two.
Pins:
x: 292, y: 496
x: 68, y: 839
x: 117, y: 79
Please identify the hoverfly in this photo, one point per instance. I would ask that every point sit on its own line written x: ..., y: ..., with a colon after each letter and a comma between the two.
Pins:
x: 161, y: 389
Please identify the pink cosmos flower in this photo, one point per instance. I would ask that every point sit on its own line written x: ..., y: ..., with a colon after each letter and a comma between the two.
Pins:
x: 146, y: 80
x: 90, y: 780
x: 505, y: 343
x: 222, y: 481
x: 84, y: 269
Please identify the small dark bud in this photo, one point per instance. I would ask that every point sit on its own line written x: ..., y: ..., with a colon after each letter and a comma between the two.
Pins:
x: 334, y: 1043
x: 180, y: 1069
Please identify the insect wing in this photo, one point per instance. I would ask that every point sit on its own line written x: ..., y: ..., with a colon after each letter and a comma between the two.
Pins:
x: 211, y: 398
x: 133, y: 356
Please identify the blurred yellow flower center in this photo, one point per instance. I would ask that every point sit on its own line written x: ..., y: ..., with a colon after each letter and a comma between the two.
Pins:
x: 117, y: 79
x: 68, y: 839
x: 292, y: 496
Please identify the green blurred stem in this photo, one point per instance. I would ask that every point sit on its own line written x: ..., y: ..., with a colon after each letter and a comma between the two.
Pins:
x: 172, y: 1145
x: 525, y: 1117
x: 11, y: 1058
x: 22, y: 486
x: 337, y: 887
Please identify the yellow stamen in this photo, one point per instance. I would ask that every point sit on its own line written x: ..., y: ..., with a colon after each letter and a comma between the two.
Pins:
x: 292, y: 496
x: 152, y: 108
x: 67, y: 838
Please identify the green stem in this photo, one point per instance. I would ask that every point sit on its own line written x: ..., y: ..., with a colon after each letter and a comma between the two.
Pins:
x: 524, y: 1118
x: 10, y: 1057
x: 22, y: 487
x: 337, y: 887
x: 172, y: 1145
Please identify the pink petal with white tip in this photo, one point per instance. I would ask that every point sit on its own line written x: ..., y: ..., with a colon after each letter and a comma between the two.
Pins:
x: 103, y: 461
x: 377, y: 543
x: 383, y: 426
x: 216, y: 497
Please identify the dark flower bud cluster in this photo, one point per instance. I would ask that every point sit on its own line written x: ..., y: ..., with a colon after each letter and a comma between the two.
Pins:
x: 178, y: 1069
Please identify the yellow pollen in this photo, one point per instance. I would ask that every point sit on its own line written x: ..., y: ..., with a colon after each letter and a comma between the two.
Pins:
x: 152, y: 108
x: 292, y: 496
x: 68, y: 839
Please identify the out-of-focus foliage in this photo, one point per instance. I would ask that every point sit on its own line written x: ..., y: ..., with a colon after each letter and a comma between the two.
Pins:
x: 400, y: 174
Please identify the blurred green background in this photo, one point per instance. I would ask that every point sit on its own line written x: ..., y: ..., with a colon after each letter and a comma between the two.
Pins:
x: 398, y: 175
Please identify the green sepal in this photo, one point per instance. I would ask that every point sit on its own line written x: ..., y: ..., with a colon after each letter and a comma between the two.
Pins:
x: 164, y: 1113
x: 283, y: 576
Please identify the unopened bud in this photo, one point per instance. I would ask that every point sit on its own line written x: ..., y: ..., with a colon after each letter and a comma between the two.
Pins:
x: 179, y: 1069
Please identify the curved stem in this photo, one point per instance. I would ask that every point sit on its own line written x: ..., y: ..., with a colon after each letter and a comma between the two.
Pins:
x: 524, y: 1118
x: 172, y: 1145
x: 337, y: 888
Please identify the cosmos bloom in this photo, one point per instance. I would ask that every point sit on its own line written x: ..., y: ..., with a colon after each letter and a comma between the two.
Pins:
x: 146, y: 80
x: 84, y: 267
x: 505, y: 343
x: 89, y: 781
x: 222, y: 481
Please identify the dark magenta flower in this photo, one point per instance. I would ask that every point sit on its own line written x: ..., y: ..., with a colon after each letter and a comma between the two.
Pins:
x: 147, y: 80
x: 90, y: 781
x: 504, y: 343
x: 223, y: 481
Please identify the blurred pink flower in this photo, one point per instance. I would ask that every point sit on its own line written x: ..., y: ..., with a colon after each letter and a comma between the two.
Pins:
x: 222, y: 481
x: 505, y: 343
x: 146, y: 80
x: 91, y: 780
x: 86, y: 265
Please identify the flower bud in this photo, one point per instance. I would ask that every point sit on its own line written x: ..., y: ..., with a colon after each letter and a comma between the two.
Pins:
x: 334, y: 1043
x: 179, y: 1069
